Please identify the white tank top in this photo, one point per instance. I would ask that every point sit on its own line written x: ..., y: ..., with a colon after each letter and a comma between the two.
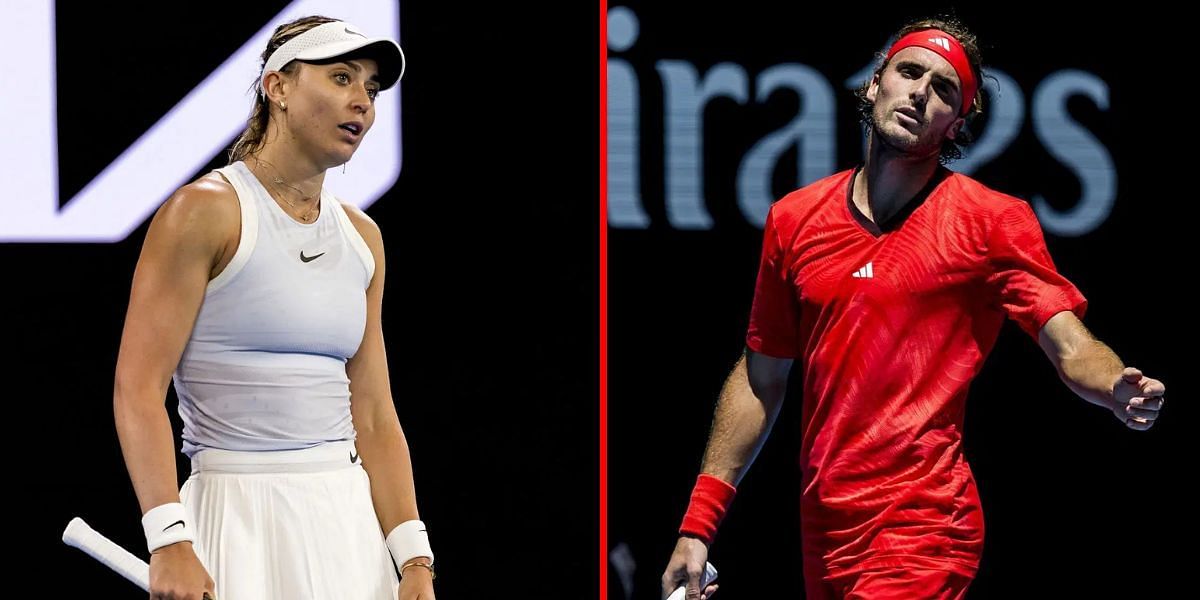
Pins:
x: 265, y: 368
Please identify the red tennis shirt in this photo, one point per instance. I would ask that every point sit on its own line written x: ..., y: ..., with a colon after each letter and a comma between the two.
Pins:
x: 890, y: 323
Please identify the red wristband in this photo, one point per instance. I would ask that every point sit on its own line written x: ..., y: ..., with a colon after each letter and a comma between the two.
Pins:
x: 710, y: 499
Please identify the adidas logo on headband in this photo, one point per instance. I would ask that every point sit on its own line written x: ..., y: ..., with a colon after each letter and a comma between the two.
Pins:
x: 941, y: 41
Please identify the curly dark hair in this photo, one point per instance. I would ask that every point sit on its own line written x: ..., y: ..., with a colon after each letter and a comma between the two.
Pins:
x: 951, y: 149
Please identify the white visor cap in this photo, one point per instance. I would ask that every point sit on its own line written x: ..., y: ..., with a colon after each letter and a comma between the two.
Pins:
x: 330, y: 40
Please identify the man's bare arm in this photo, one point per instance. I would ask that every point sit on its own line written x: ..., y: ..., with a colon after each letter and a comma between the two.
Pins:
x: 1095, y: 373
x: 748, y: 406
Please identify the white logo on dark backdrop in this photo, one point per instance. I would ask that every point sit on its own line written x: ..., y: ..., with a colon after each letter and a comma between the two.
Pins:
x: 811, y: 136
x: 136, y: 183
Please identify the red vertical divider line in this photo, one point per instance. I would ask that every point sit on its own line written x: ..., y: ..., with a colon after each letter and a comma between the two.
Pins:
x: 603, y: 299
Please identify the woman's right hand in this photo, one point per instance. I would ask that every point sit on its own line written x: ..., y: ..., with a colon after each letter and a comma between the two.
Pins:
x: 176, y: 574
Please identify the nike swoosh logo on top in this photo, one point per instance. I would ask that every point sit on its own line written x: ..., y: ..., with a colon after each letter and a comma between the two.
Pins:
x: 304, y: 258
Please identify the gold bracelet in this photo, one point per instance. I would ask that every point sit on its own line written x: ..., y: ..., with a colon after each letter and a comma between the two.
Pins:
x: 417, y: 563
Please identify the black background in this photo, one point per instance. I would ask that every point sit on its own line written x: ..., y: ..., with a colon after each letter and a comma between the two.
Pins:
x: 1075, y: 504
x: 490, y: 307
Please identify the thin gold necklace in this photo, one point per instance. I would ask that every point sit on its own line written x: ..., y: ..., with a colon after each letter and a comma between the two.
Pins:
x: 277, y: 180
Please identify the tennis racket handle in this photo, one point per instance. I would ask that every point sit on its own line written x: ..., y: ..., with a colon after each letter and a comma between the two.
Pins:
x: 80, y: 535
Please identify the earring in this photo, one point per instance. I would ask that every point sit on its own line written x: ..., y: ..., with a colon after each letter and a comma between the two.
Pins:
x: 282, y: 105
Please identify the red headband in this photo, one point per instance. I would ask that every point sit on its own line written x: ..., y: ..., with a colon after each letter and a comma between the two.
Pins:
x: 948, y: 48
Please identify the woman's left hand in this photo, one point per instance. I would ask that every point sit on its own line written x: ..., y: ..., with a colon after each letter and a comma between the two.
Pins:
x: 416, y: 584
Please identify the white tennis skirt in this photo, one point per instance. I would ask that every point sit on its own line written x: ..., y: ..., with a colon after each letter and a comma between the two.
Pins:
x: 288, y: 525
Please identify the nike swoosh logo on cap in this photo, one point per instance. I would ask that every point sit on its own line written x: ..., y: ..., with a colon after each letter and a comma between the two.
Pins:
x: 353, y: 32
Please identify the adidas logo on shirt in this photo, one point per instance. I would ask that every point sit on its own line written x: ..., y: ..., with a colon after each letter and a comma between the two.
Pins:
x: 866, y: 272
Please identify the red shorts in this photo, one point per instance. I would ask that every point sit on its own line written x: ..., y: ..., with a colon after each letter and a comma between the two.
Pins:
x: 891, y: 584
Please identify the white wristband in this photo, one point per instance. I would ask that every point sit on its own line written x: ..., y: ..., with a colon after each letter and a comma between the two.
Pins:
x: 166, y: 524
x: 409, y: 540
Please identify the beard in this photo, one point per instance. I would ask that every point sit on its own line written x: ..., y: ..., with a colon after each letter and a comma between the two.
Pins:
x: 899, y: 143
